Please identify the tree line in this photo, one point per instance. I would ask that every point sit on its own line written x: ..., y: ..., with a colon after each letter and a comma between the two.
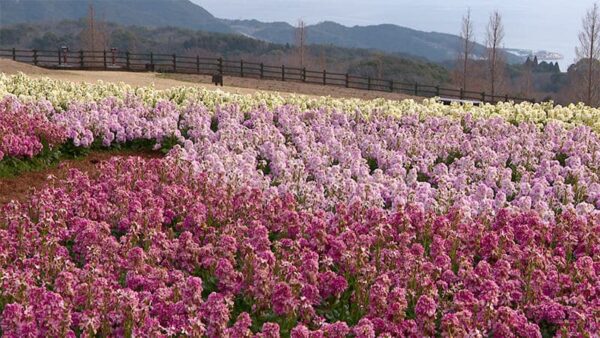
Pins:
x: 491, y: 73
x: 581, y: 82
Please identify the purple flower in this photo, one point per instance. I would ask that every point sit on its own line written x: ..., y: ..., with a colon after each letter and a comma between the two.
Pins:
x: 425, y: 306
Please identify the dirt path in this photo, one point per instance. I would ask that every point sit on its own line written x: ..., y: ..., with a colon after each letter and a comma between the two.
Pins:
x: 19, y: 187
x: 164, y: 81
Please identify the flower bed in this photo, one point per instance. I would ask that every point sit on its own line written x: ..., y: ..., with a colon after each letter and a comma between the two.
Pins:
x: 148, y: 249
x: 297, y: 216
x: 61, y: 94
x: 324, y: 158
x: 25, y: 128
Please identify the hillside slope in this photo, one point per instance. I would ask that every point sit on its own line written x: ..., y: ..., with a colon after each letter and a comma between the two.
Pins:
x: 152, y: 13
x: 50, y: 36
x: 436, y: 47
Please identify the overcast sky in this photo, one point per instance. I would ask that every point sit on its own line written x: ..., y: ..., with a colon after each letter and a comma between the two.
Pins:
x: 530, y: 24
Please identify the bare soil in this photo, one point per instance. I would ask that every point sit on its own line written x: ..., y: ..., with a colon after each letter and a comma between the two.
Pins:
x: 165, y: 81
x: 287, y: 87
x: 19, y: 187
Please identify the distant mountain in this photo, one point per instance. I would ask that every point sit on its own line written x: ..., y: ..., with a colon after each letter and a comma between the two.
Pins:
x: 436, y: 47
x: 151, y: 13
x: 187, y: 42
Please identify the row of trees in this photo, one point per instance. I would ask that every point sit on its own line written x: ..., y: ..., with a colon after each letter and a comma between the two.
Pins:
x: 583, y: 77
x: 494, y: 36
x: 489, y: 73
x: 588, y: 55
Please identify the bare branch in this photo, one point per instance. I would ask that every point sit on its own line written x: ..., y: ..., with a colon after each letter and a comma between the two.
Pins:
x: 494, y: 38
x: 588, y: 53
x: 468, y: 43
x: 301, y: 41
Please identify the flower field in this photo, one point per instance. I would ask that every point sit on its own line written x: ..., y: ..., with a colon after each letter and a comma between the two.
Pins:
x: 293, y: 216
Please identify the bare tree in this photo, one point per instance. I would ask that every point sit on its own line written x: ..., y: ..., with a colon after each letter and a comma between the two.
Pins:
x: 94, y: 36
x: 494, y: 38
x: 467, y: 45
x: 589, y: 52
x: 322, y: 58
x: 301, y: 41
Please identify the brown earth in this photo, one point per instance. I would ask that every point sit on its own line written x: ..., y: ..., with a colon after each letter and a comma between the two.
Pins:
x: 164, y: 81
x: 19, y: 187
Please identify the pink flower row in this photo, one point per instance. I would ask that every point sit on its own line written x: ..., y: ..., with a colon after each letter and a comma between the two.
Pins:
x: 150, y: 249
x: 324, y: 158
x: 24, y: 128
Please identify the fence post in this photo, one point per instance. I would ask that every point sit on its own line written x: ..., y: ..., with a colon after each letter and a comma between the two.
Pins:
x: 483, y: 97
x: 198, y: 64
x: 416, y: 89
x: 392, y: 86
x: 59, y: 58
x: 303, y: 74
x: 220, y: 66
x: 347, y: 80
x: 369, y: 83
x: 81, y: 58
x: 324, y: 77
x: 35, y: 57
x: 437, y: 91
x: 242, y: 68
x: 262, y: 70
x: 14, y: 54
x: 462, y: 93
x: 174, y: 63
x: 506, y: 98
x: 104, y: 59
x: 282, y: 73
x: 113, y: 56
x: 127, y: 60
x: 152, y: 61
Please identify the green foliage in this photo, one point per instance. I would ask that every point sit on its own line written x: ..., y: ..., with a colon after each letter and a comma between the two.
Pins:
x: 210, y: 282
x: 263, y: 165
x: 373, y: 165
x: 561, y: 158
x: 453, y: 155
x: 10, y: 36
x: 344, y: 308
x: 12, y: 166
x: 214, y: 124
x: 400, y: 69
x: 515, y: 175
x: 547, y: 329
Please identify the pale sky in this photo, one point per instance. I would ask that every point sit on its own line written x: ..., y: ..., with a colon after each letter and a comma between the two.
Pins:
x: 529, y: 24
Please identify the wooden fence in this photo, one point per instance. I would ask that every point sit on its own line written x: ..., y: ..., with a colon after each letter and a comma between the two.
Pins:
x: 172, y: 63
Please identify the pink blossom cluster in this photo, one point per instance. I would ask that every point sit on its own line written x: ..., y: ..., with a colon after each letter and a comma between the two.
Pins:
x: 151, y: 249
x: 322, y: 158
x: 25, y: 127
x: 112, y: 121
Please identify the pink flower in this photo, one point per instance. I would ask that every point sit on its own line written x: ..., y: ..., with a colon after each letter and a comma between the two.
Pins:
x: 282, y: 299
x: 425, y: 306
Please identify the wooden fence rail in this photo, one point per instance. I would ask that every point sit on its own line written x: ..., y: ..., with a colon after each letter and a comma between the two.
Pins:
x: 172, y: 63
